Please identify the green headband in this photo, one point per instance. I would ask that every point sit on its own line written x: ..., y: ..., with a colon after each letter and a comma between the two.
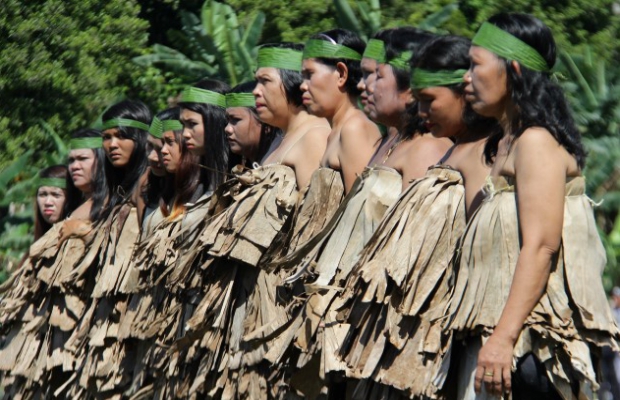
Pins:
x: 509, y: 47
x: 85, y: 143
x: 316, y: 48
x: 375, y: 49
x: 423, y: 78
x: 401, y: 61
x: 276, y: 57
x: 118, y: 122
x: 240, y: 100
x: 158, y: 127
x: 53, y: 182
x: 197, y: 95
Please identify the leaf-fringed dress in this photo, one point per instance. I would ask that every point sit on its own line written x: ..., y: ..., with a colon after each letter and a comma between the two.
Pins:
x: 246, y: 213
x: 394, y: 303
x: 108, y: 281
x: 155, y: 256
x: 249, y: 374
x: 38, y: 313
x: 571, y: 321
x: 316, y: 273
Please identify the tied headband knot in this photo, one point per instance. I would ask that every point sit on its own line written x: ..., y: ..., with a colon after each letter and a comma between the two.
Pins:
x: 316, y: 48
x: 277, y: 57
x: 85, y: 143
x: 401, y: 61
x: 197, y: 95
x: 124, y: 122
x: 240, y: 100
x: 505, y: 45
x: 423, y: 78
x: 375, y: 50
x: 158, y: 127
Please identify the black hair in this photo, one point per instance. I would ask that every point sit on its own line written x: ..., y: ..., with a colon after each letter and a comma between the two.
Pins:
x: 539, y: 101
x: 451, y: 52
x: 217, y: 159
x: 267, y: 132
x: 352, y: 41
x: 162, y: 187
x: 398, y: 40
x: 291, y: 80
x: 40, y: 225
x: 124, y: 183
x: 184, y: 185
x: 99, y: 184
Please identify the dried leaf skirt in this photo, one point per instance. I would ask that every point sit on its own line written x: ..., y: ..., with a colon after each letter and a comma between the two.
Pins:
x: 247, y: 214
x: 38, y: 314
x: 107, y: 281
x: 393, y: 304
x: 317, y: 271
x: 572, y: 320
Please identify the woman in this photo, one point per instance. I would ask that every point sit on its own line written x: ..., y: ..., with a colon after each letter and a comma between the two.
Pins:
x: 372, y: 194
x: 40, y: 352
x: 85, y: 163
x: 390, y: 308
x: 250, y: 211
x: 109, y: 276
x: 160, y: 189
x: 51, y: 201
x: 247, y: 136
x: 534, y: 300
x: 331, y: 71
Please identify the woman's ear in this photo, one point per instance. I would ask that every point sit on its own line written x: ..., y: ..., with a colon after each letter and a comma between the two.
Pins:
x: 343, y: 74
x: 516, y: 66
x: 407, y: 96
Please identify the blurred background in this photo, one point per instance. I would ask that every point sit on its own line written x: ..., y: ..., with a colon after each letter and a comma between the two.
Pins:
x: 63, y: 61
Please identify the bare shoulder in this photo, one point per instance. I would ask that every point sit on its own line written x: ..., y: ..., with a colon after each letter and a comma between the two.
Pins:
x: 359, y: 126
x: 537, y: 144
x: 535, y: 137
x: 427, y: 143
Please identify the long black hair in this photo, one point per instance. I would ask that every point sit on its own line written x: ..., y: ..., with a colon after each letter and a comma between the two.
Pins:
x: 397, y: 41
x: 99, y: 184
x: 268, y: 133
x: 537, y: 99
x: 451, y: 52
x: 352, y: 41
x: 123, y: 183
x: 217, y: 159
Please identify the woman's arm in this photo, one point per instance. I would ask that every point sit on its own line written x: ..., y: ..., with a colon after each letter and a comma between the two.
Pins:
x: 540, y: 171
x: 358, y: 141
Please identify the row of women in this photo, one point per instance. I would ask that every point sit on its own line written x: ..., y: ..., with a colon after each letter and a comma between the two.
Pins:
x: 404, y: 218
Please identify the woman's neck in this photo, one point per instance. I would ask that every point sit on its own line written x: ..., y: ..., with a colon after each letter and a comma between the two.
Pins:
x: 344, y: 109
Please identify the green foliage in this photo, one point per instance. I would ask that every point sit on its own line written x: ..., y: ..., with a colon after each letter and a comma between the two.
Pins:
x: 17, y: 188
x: 215, y: 45
x: 573, y: 22
x: 63, y: 61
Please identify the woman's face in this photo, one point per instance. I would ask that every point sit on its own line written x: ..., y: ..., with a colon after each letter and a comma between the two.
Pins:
x: 369, y: 74
x: 243, y: 132
x: 193, y: 131
x: 320, y: 88
x: 387, y: 103
x: 81, y: 169
x: 271, y: 103
x: 486, y: 87
x: 153, y: 149
x: 51, y: 201
x: 442, y: 110
x: 117, y: 147
x: 171, y: 152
